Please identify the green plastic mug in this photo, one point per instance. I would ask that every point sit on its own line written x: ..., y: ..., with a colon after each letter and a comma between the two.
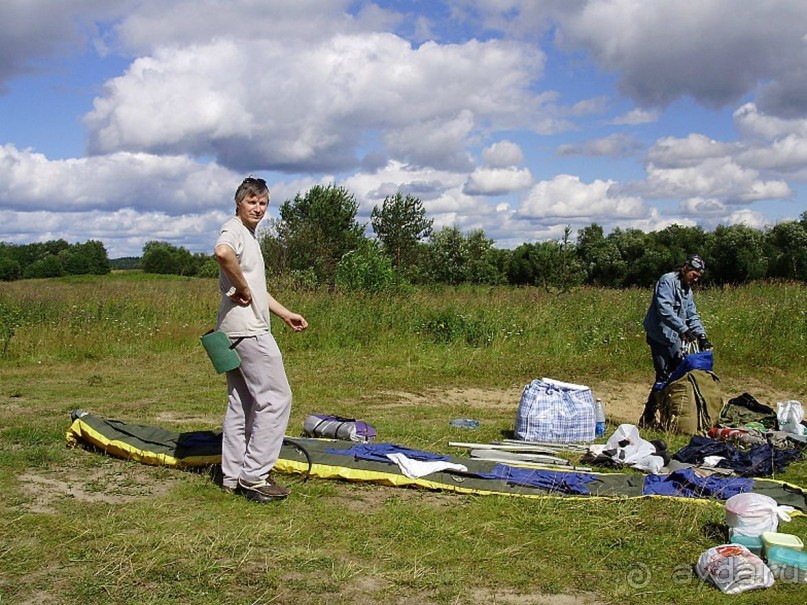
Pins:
x: 221, y: 351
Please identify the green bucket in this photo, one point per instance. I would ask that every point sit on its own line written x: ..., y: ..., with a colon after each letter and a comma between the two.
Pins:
x: 221, y: 351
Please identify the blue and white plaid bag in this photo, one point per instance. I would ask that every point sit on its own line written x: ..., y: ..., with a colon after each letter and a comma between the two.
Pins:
x: 551, y: 411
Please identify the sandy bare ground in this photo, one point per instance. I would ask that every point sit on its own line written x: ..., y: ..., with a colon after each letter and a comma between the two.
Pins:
x: 624, y: 402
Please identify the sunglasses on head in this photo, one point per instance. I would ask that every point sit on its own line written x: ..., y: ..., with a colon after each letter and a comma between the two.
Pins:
x: 696, y: 263
x: 251, y: 180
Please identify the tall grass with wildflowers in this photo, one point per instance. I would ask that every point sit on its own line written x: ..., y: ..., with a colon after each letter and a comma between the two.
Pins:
x: 496, y: 334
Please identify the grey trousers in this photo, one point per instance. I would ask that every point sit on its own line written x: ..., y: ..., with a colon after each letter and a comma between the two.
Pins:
x: 258, y: 408
x: 665, y: 359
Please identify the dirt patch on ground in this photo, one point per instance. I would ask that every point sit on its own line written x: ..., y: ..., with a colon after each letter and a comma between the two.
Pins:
x: 369, y: 590
x: 483, y: 399
x: 624, y: 401
x: 370, y: 498
x: 111, y: 484
x: 40, y: 597
x: 182, y: 417
x: 507, y: 597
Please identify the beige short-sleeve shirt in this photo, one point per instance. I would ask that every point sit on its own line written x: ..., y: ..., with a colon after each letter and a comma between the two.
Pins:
x: 233, y: 319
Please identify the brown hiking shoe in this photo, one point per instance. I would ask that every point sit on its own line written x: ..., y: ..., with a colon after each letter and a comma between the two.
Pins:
x: 262, y: 491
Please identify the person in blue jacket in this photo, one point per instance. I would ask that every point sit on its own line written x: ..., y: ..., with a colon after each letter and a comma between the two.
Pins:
x: 672, y: 321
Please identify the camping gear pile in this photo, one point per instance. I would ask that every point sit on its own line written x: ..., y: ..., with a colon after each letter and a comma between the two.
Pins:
x: 742, y: 437
x: 750, y: 439
x: 744, y: 450
x: 690, y: 400
x: 738, y: 566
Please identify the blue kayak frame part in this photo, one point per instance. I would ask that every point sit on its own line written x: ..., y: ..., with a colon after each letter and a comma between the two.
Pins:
x: 336, y: 459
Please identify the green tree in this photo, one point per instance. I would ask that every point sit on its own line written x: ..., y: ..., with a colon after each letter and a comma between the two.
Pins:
x: 366, y: 269
x: 787, y: 245
x: 48, y: 266
x: 547, y: 262
x: 9, y: 268
x: 317, y: 229
x: 55, y: 247
x: 87, y: 258
x: 446, y: 257
x: 500, y: 258
x: 644, y: 259
x: 556, y: 264
x: 275, y: 253
x: 682, y: 241
x: 739, y: 254
x: 163, y: 258
x: 572, y: 272
x: 209, y: 268
x: 186, y: 263
x: 481, y: 260
x: 521, y: 268
x: 204, y: 265
x: 600, y: 257
x: 158, y: 257
x: 400, y: 224
x: 27, y: 254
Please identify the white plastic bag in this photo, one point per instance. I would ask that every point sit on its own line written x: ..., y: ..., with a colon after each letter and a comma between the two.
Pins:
x: 753, y: 514
x: 625, y: 445
x: 789, y: 414
x: 733, y: 569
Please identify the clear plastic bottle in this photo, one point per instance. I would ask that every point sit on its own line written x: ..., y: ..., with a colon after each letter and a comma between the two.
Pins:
x: 464, y: 423
x: 599, y: 418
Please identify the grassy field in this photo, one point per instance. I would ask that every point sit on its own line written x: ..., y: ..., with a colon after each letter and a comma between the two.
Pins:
x: 81, y: 527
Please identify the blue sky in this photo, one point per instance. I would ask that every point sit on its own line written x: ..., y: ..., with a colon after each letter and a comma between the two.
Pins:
x: 127, y: 121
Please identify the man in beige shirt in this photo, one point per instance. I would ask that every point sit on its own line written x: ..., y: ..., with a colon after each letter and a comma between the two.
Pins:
x: 259, y: 396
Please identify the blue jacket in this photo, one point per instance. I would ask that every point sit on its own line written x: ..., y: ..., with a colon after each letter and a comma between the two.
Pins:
x: 672, y: 312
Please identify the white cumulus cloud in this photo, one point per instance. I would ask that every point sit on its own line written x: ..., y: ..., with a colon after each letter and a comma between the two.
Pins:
x: 173, y: 184
x: 497, y: 181
x: 719, y: 177
x: 502, y: 154
x: 277, y: 106
x: 566, y: 196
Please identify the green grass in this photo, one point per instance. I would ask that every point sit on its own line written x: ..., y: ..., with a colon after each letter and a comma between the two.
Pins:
x: 80, y: 527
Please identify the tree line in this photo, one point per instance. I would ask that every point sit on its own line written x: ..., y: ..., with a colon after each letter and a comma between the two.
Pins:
x: 317, y: 242
x: 55, y: 258
x: 317, y: 239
